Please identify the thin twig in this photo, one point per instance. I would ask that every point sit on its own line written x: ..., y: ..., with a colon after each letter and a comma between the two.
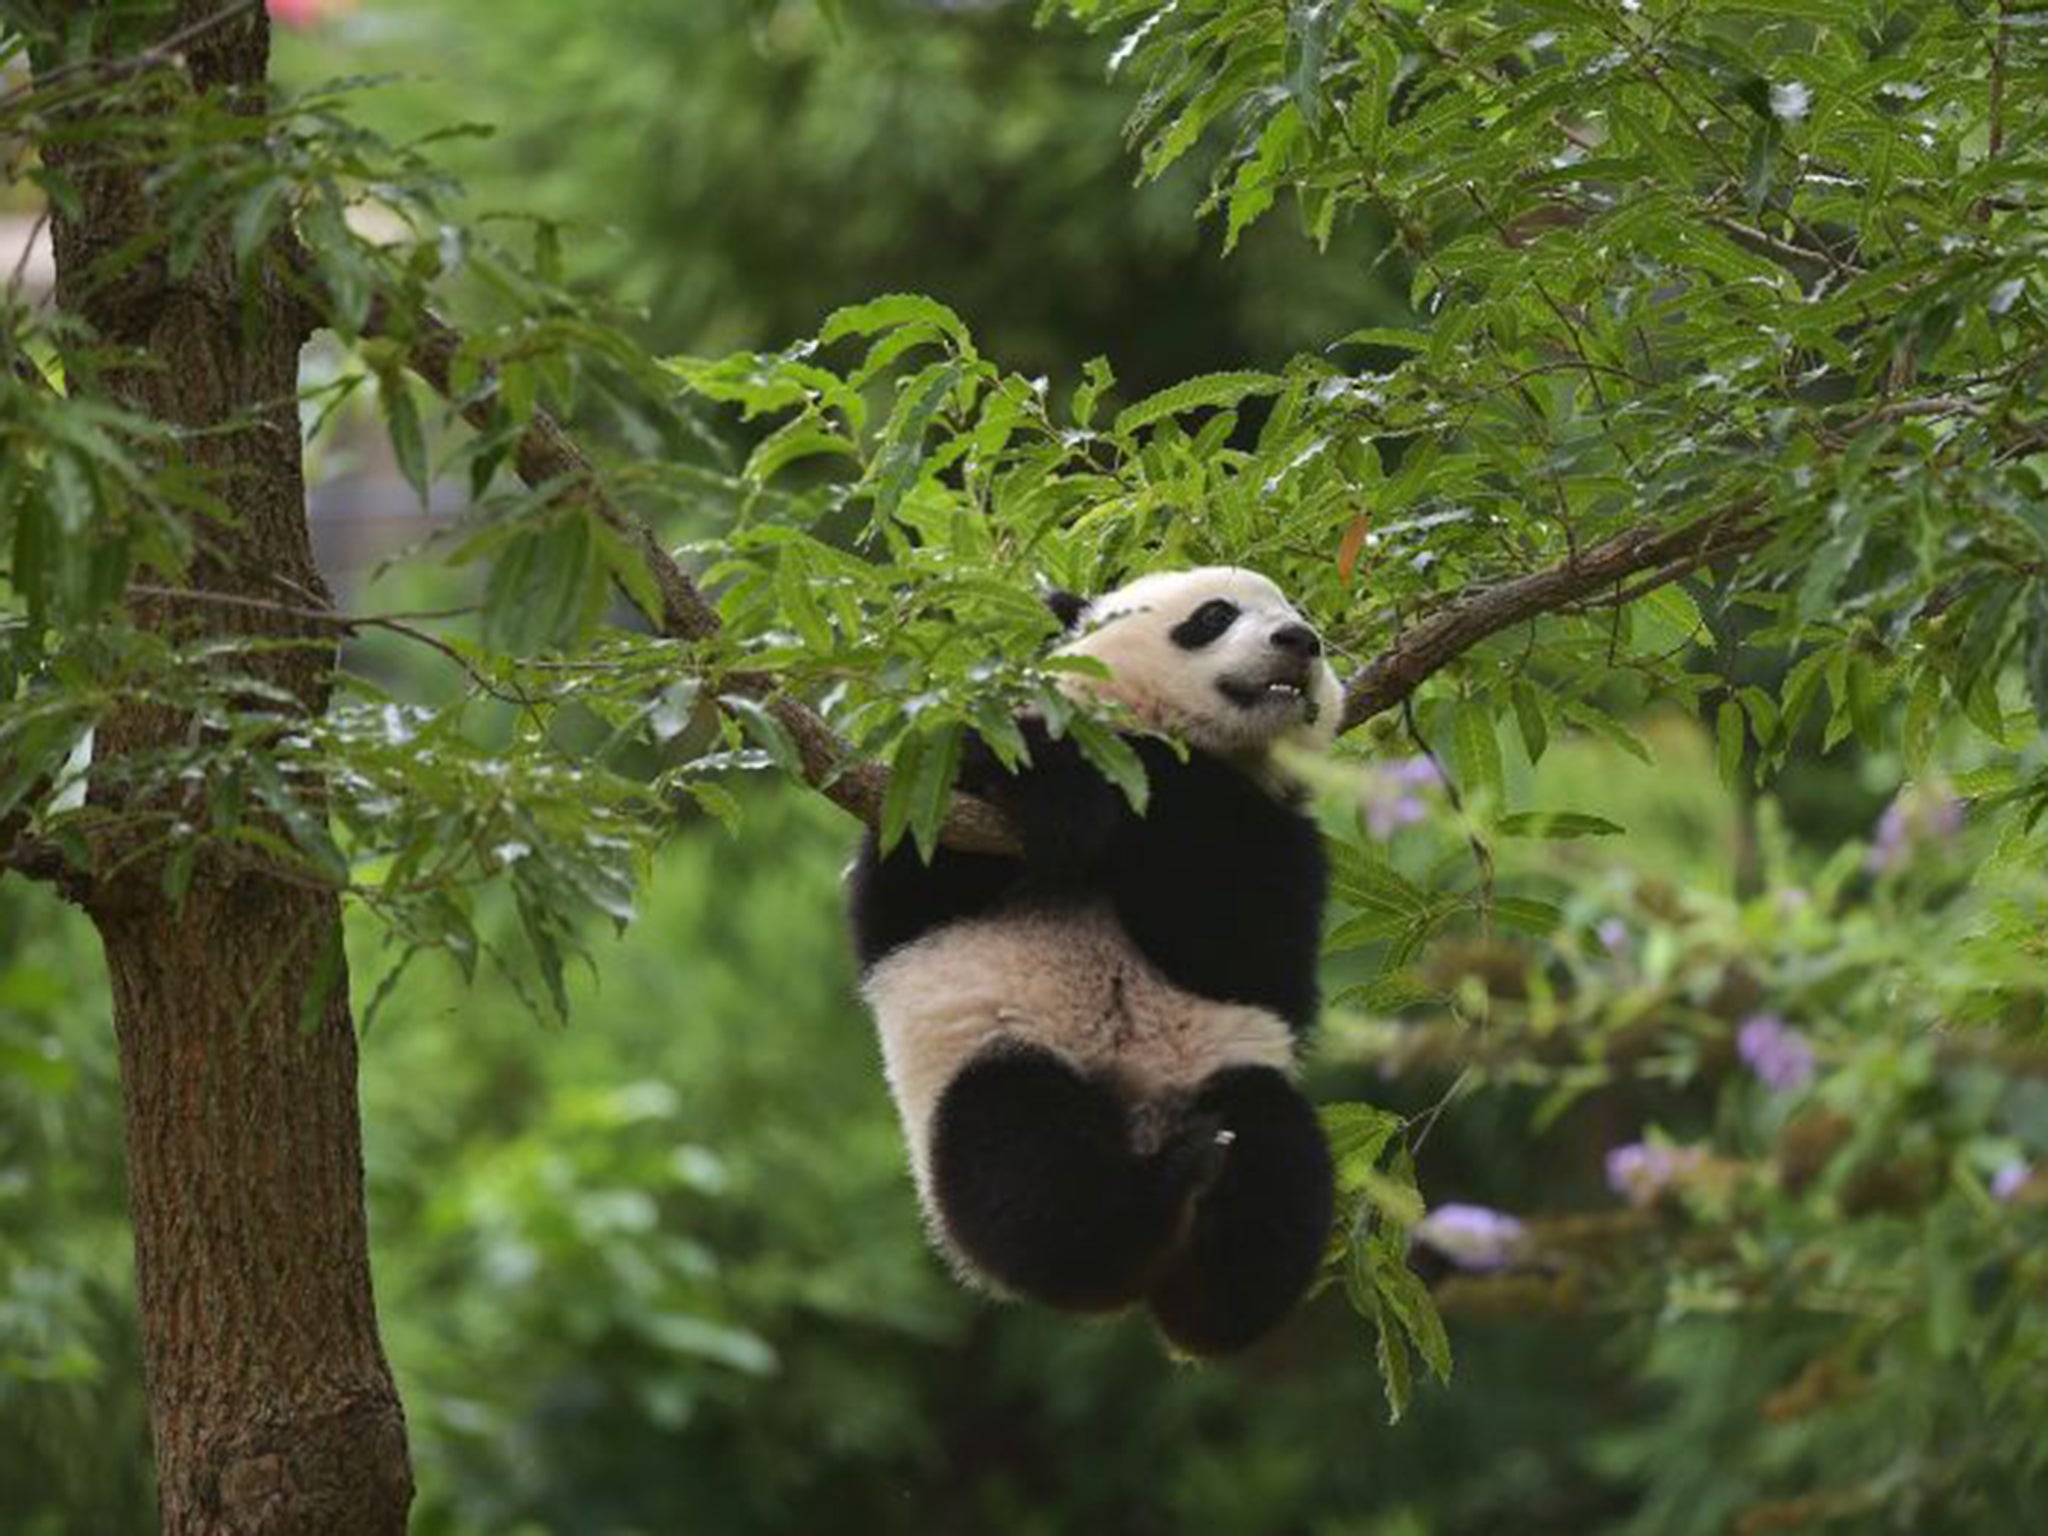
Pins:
x: 395, y: 623
x: 162, y: 51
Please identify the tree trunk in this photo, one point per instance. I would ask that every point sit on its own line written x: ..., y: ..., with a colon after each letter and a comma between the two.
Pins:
x: 272, y: 1405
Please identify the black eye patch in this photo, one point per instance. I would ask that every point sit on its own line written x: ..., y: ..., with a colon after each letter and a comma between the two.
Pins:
x: 1205, y: 624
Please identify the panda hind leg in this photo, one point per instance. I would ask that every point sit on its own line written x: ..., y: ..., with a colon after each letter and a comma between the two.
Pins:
x: 1261, y: 1228
x: 1039, y: 1188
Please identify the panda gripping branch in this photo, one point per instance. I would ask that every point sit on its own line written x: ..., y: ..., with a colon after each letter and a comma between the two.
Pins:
x: 1091, y: 1046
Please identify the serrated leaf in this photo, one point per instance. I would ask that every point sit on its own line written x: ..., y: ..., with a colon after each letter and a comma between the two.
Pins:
x: 1405, y: 1295
x: 1357, y: 1134
x: 1096, y: 378
x: 1206, y: 391
x: 801, y: 438
x: 888, y: 312
x: 1664, y: 621
x: 900, y: 456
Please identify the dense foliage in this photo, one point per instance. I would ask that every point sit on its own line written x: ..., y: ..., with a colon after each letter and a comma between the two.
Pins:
x: 1736, y: 1063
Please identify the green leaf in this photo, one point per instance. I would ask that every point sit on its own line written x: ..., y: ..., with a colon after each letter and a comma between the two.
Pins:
x: 1729, y: 741
x: 1411, y: 1303
x: 1528, y: 914
x: 1206, y: 391
x: 1358, y: 1134
x: 1475, y: 751
x: 1529, y: 720
x: 802, y: 437
x: 766, y: 732
x: 255, y: 216
x: 899, y: 796
x: 933, y: 789
x: 900, y: 456
x: 1598, y: 721
x: 543, y: 584
x: 1113, y: 757
x: 890, y: 311
x: 1096, y: 378
x: 402, y: 421
x: 1396, y: 1375
x: 1664, y: 621
x: 1557, y: 824
x: 1309, y: 23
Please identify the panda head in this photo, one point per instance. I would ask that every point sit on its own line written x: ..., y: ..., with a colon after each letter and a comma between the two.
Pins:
x: 1216, y: 656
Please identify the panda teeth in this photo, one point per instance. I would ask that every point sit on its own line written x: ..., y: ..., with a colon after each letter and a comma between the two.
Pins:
x: 1285, y: 690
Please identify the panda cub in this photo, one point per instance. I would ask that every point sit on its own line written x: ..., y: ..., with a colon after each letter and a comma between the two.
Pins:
x: 1091, y: 1045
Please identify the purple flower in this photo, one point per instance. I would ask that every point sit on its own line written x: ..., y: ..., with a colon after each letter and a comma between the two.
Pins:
x: 1780, y: 1056
x: 1472, y: 1236
x: 2010, y: 1179
x: 1612, y: 933
x: 1384, y: 817
x: 1641, y: 1171
x: 1917, y: 816
x: 1417, y: 772
x: 1393, y: 798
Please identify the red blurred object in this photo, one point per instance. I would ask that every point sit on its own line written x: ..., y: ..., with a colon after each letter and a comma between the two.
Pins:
x: 305, y: 14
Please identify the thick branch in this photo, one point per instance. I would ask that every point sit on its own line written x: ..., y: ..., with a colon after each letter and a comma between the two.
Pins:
x: 1476, y: 616
x: 546, y: 454
x: 34, y: 858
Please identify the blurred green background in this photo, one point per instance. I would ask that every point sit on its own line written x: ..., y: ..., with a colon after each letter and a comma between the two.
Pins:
x: 661, y: 1270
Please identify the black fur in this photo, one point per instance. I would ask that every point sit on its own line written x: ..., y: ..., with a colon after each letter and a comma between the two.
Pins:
x: 1220, y: 885
x: 1205, y: 626
x: 1260, y: 1228
x: 1036, y: 1174
x: 1067, y: 607
x: 1039, y: 1186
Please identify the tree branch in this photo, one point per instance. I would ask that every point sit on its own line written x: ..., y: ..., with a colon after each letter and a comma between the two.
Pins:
x: 36, y: 858
x: 1454, y: 629
x: 547, y: 454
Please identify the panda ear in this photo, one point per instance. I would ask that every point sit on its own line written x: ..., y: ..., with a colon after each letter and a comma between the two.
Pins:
x: 1067, y: 607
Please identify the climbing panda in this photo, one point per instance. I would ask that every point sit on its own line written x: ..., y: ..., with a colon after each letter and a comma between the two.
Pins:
x: 1091, y: 1045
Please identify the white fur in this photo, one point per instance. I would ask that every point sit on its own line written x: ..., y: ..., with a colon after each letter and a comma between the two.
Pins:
x: 1068, y: 981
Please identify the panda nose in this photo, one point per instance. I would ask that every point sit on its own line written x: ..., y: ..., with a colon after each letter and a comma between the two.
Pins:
x: 1297, y: 640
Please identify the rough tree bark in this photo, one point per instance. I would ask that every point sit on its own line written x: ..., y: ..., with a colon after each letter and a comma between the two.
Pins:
x: 272, y: 1406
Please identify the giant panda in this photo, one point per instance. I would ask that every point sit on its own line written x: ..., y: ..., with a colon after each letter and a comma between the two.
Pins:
x: 1091, y: 1046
